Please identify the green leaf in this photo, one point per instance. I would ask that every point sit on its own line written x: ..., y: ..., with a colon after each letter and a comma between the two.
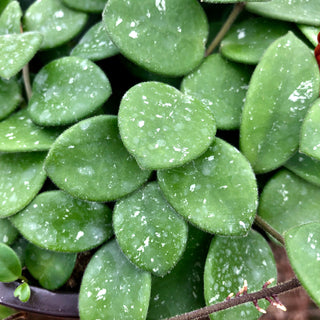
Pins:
x: 56, y: 221
x: 4, y: 4
x: 95, y: 44
x: 303, y: 248
x: 10, y: 267
x: 10, y: 18
x: 19, y: 134
x: 86, y: 5
x: 247, y: 40
x: 10, y: 97
x: 20, y: 246
x: 66, y: 90
x: 282, y: 87
x: 230, y: 261
x: 310, y: 132
x: 288, y: 201
x: 216, y: 192
x: 90, y: 162
x: 8, y: 233
x: 23, y: 292
x: 21, y: 178
x: 298, y: 11
x: 149, y: 232
x: 310, y: 32
x: 221, y: 85
x: 153, y: 120
x: 16, y: 50
x: 5, y: 311
x: 113, y: 288
x: 166, y: 37
x: 57, y: 23
x: 305, y: 167
x: 231, y: 1
x: 51, y: 269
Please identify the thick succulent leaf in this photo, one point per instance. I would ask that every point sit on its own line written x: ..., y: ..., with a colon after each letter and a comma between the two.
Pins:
x: 10, y: 97
x: 303, y: 248
x: 16, y: 50
x: 95, y: 44
x: 19, y: 247
x: 22, y: 292
x: 154, y: 119
x: 56, y: 221
x: 10, y: 18
x: 284, y: 84
x: 90, y: 162
x: 8, y: 233
x: 21, y: 178
x: 149, y: 232
x: 67, y: 90
x: 166, y: 37
x: 230, y: 261
x: 231, y: 1
x: 10, y: 267
x: 19, y: 134
x: 217, y: 192
x: 51, y: 269
x: 288, y: 201
x: 247, y: 40
x: 4, y: 4
x: 310, y: 132
x: 181, y: 290
x: 113, y: 288
x: 221, y: 85
x: 310, y: 32
x: 305, y: 167
x: 299, y: 11
x: 86, y: 5
x: 57, y: 23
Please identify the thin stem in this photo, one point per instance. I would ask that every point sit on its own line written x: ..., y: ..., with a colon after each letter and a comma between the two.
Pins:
x: 26, y: 77
x: 238, y: 7
x: 263, y: 293
x: 267, y: 228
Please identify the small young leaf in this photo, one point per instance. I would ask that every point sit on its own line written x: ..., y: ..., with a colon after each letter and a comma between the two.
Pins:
x: 23, y: 292
x: 113, y: 288
x: 303, y: 248
x: 8, y: 233
x: 10, y: 267
x: 10, y: 96
x: 10, y: 18
x: 86, y: 5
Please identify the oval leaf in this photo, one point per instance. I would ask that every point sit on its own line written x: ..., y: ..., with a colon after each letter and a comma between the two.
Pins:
x: 86, y: 5
x: 10, y: 97
x: 217, y: 192
x: 113, y: 288
x: 288, y: 77
x: 10, y: 267
x: 10, y: 18
x: 8, y: 233
x: 23, y: 292
x: 135, y: 28
x: 66, y: 90
x: 56, y: 221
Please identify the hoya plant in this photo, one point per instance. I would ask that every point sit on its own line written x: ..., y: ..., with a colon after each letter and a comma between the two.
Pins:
x: 167, y: 141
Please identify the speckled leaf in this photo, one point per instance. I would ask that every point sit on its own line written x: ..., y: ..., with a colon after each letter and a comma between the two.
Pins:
x: 154, y: 122
x: 10, y: 267
x: 22, y: 292
x: 57, y: 23
x: 67, y: 90
x: 3, y: 4
x: 10, y: 18
x: 217, y: 192
x: 247, y: 41
x: 16, y: 50
x: 277, y: 101
x: 149, y: 232
x: 299, y: 11
x: 90, y: 162
x: 288, y: 201
x: 51, y: 269
x: 8, y: 233
x: 181, y: 290
x: 10, y: 97
x: 310, y: 132
x: 86, y: 5
x: 305, y: 167
x: 113, y: 288
x: 230, y: 1
x: 305, y: 262
x: 95, y: 44
x: 21, y: 178
x: 310, y: 32
x: 56, y: 221
x: 163, y: 36
x: 221, y: 85
x: 19, y: 246
x: 230, y: 261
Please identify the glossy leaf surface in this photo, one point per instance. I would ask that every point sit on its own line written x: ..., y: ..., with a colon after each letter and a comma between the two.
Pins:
x: 270, y: 128
x: 10, y: 97
x: 67, y: 90
x: 23, y: 292
x: 8, y: 233
x: 10, y: 18
x: 113, y: 288
x: 10, y: 267
x: 58, y: 222
x: 217, y: 192
x: 21, y: 178
x: 90, y: 162
x: 166, y: 37
x: 153, y: 121
x: 86, y: 5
